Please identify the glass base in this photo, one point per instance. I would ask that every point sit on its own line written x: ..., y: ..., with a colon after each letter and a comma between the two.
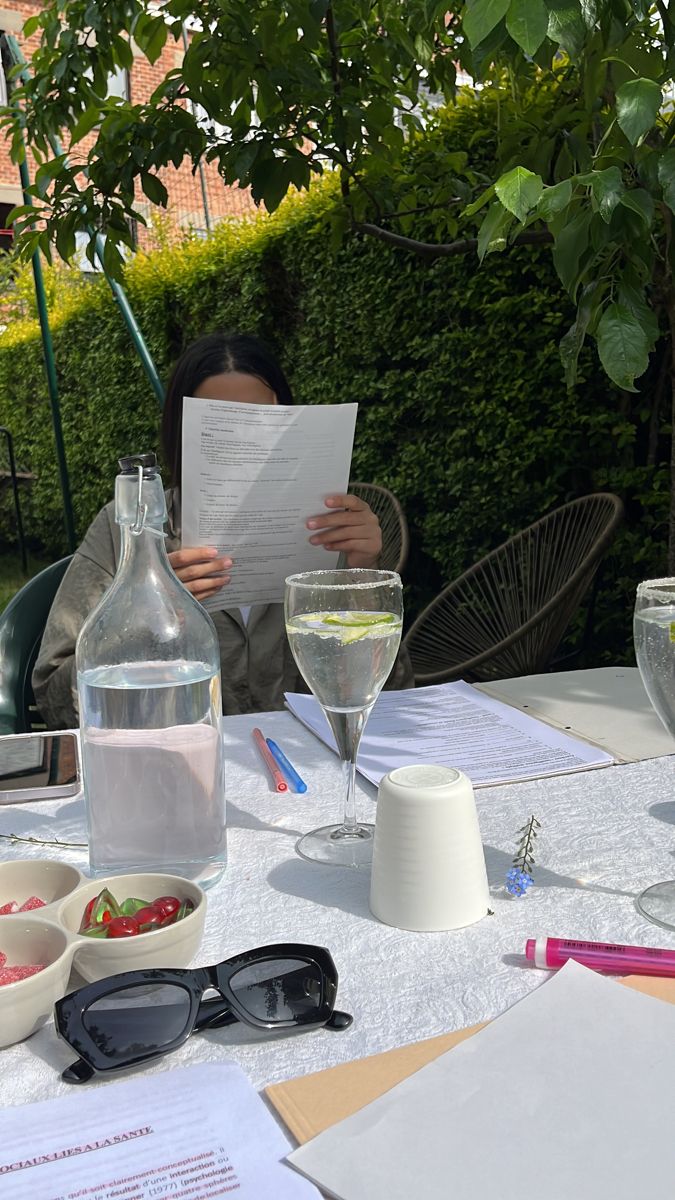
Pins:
x: 657, y: 904
x: 336, y: 846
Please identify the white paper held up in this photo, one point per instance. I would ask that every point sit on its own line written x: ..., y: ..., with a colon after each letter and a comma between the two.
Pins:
x: 251, y: 476
x: 453, y: 725
x: 568, y: 1094
x: 195, y: 1132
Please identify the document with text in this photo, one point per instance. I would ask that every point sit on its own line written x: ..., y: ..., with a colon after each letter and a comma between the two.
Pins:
x: 192, y: 1133
x: 453, y: 725
x: 251, y: 476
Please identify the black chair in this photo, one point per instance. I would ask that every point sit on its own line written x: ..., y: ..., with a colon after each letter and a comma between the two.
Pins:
x: 21, y: 628
x: 395, y: 537
x: 506, y: 615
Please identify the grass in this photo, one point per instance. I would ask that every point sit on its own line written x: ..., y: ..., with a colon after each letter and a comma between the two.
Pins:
x: 12, y: 577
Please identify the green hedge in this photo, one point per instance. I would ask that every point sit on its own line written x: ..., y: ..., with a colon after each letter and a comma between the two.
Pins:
x: 463, y: 412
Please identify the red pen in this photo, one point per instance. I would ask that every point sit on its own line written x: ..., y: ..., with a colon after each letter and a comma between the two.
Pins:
x: 278, y: 780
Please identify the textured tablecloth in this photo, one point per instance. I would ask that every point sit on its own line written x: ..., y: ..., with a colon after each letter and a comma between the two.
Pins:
x: 605, y: 835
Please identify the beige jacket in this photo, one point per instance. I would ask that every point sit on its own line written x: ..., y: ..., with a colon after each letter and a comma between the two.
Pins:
x: 257, y: 666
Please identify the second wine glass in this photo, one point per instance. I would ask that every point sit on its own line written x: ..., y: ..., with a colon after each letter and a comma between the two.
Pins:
x: 344, y: 630
x: 654, y: 636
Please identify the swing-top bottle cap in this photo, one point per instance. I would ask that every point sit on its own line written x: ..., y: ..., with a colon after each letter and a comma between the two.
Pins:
x: 131, y: 462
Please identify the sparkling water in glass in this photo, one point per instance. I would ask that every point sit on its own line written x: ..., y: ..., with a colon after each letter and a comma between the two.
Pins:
x: 344, y: 629
x: 654, y: 637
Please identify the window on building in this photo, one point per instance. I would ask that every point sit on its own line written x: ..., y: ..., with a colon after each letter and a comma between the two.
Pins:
x: 6, y: 232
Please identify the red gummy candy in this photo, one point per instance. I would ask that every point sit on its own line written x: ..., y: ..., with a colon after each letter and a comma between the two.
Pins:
x: 3, y: 959
x: 148, y: 918
x: 14, y: 974
x: 11, y: 907
x: 31, y: 903
x: 167, y: 905
x: 121, y: 927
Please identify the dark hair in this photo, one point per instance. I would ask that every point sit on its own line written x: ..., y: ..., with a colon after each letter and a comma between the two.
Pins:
x: 215, y: 354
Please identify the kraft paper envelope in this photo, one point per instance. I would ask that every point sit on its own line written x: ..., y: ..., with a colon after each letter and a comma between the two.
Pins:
x: 312, y: 1103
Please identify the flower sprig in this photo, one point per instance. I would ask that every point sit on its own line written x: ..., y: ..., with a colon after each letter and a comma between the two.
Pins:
x: 519, y: 876
x: 14, y: 837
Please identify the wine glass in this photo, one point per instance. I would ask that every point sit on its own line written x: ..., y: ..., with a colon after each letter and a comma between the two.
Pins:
x: 344, y: 629
x: 654, y: 636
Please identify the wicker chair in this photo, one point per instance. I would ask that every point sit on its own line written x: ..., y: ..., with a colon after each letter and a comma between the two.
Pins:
x: 506, y: 615
x: 395, y: 537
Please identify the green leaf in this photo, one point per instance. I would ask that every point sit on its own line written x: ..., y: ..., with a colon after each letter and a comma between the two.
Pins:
x: 480, y: 202
x: 154, y: 189
x: 492, y: 233
x: 667, y: 177
x: 527, y: 22
x: 31, y: 25
x: 637, y: 105
x: 573, y: 340
x: 85, y: 123
x: 519, y: 191
x: 623, y: 346
x: 640, y: 202
x: 554, y: 199
x: 607, y: 187
x: 570, y: 244
x: 633, y: 297
x: 481, y: 17
x: 566, y: 26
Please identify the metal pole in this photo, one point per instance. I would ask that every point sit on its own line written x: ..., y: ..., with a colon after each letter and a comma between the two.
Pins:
x: 52, y: 383
x: 202, y: 173
x: 116, y: 288
x: 17, y: 505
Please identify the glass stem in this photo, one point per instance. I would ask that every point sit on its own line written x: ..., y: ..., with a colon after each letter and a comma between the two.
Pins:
x: 348, y: 727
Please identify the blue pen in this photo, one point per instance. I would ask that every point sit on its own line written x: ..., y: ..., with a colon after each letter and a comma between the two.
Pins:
x: 290, y: 772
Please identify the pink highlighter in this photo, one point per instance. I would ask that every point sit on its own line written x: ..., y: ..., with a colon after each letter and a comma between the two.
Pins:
x: 550, y: 953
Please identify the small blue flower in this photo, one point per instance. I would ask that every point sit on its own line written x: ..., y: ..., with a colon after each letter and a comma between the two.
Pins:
x: 517, y: 881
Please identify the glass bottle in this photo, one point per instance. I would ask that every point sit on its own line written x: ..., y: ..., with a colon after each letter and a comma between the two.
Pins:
x: 148, y: 679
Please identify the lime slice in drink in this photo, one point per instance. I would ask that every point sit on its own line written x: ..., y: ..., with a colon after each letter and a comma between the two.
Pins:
x: 356, y: 625
x: 671, y: 631
x: 357, y: 620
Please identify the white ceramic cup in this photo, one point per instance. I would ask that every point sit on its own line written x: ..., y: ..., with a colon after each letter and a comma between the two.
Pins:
x: 428, y: 863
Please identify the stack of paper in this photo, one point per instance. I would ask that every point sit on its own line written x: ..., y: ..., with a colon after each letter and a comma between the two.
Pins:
x: 189, y: 1134
x: 568, y: 1094
x: 453, y: 725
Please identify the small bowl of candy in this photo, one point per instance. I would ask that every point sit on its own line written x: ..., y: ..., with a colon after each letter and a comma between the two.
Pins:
x: 129, y: 922
x: 35, y: 961
x: 52, y: 919
x: 32, y: 884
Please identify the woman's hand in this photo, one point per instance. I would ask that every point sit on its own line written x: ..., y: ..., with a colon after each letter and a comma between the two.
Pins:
x: 201, y: 570
x: 355, y: 531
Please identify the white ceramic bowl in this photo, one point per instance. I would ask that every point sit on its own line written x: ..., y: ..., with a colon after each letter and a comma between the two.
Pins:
x: 21, y: 878
x: 173, y: 946
x: 51, y: 935
x: 28, y: 1003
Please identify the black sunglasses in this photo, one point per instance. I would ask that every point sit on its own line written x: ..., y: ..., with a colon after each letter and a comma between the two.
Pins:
x: 128, y: 1019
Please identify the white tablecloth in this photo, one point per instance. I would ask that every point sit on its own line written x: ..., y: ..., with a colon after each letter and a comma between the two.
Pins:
x: 605, y: 835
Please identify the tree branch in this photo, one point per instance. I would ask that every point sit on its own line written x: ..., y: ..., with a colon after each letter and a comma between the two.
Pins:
x: 447, y: 249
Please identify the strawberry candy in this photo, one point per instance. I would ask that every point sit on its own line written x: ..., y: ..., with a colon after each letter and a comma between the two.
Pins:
x: 14, y: 974
x: 28, y: 905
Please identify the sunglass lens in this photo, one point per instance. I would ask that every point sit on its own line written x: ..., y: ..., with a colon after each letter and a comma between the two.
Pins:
x: 280, y: 989
x: 137, y: 1020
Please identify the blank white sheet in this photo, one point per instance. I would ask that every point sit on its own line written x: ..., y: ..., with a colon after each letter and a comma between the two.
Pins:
x: 569, y: 1094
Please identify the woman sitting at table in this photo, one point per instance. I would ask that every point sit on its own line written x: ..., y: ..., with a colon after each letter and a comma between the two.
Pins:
x: 257, y: 666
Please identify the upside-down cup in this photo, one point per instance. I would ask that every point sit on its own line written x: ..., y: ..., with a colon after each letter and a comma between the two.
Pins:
x: 428, y: 863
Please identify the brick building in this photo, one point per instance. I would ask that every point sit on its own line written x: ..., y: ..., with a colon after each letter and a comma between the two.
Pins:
x: 186, y: 190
